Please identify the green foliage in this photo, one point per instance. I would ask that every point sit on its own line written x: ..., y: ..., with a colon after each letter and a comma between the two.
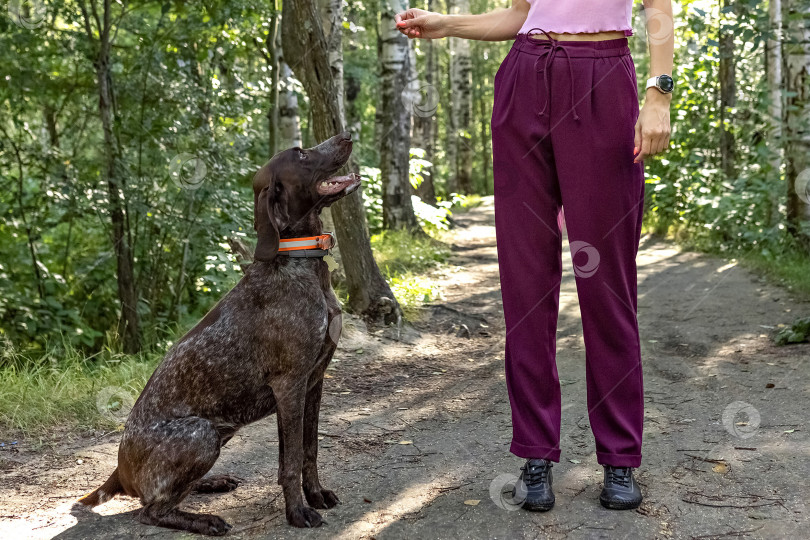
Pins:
x: 190, y: 97
x: 405, y: 260
x: 798, y: 332
x: 398, y: 252
x: 432, y: 219
x: 688, y: 193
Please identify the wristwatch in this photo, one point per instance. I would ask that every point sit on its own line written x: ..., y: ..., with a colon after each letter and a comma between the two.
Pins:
x: 663, y: 83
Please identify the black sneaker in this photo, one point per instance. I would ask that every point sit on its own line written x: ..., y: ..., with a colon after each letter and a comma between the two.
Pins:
x: 621, y: 491
x: 533, y: 489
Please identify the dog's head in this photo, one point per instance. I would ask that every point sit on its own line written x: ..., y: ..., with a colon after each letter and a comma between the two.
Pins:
x: 293, y: 187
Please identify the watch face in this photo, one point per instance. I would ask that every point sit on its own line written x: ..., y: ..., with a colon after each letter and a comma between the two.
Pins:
x: 665, y: 83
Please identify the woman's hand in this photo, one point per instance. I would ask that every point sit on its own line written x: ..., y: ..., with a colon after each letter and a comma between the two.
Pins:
x: 418, y: 23
x: 652, y: 126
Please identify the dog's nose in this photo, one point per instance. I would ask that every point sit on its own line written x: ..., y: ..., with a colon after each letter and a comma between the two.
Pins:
x: 346, y: 136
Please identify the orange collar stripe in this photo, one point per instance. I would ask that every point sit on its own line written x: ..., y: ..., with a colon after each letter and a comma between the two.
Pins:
x: 323, y: 241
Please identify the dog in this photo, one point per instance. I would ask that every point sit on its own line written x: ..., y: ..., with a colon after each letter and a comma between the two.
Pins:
x: 262, y: 349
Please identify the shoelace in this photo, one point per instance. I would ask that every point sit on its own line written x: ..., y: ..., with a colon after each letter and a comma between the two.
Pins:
x: 619, y: 475
x: 535, y: 474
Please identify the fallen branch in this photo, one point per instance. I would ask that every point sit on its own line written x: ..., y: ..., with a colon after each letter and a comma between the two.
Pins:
x: 708, y: 460
x: 690, y: 501
x: 451, y: 488
x: 729, y: 533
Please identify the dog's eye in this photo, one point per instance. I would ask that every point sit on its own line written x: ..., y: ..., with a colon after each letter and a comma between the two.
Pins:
x: 301, y: 155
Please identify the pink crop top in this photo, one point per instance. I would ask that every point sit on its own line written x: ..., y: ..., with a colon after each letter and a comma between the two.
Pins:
x: 574, y: 17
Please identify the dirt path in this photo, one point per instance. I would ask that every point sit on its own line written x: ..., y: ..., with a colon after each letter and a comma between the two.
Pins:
x: 416, y: 434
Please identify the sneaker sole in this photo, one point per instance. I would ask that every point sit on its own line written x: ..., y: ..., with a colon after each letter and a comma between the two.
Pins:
x: 615, y: 505
x: 538, y: 507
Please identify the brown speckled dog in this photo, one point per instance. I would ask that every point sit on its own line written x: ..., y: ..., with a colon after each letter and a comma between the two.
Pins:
x: 262, y: 349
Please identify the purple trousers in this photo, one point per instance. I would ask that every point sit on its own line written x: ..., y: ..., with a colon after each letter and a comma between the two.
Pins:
x: 562, y: 136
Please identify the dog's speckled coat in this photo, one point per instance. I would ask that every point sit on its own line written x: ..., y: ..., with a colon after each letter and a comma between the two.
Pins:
x: 262, y: 349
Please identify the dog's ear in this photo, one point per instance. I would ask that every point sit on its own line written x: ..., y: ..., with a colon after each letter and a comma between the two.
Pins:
x: 269, y: 216
x: 265, y: 224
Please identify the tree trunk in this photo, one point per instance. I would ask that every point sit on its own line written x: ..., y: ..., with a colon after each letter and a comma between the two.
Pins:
x: 461, y: 104
x: 728, y: 89
x: 796, y: 18
x: 773, y: 59
x: 274, y: 63
x: 395, y: 118
x: 424, y: 118
x: 484, y: 115
x: 128, y: 327
x: 331, y: 13
x: 289, y: 124
x: 303, y: 39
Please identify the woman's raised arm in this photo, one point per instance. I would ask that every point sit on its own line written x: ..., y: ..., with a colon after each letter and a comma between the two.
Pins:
x: 498, y: 25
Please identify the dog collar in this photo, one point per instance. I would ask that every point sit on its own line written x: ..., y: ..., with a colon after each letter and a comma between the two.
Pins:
x: 307, y: 246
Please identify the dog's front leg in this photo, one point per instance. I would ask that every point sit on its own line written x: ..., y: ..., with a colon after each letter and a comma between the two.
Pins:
x: 291, y: 399
x: 317, y: 497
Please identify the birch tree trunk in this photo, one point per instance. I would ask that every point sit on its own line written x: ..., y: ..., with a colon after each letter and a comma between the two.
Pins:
x: 289, y: 123
x: 395, y: 120
x: 424, y: 117
x: 303, y: 38
x: 461, y: 104
x: 773, y: 60
x: 129, y: 324
x: 796, y: 19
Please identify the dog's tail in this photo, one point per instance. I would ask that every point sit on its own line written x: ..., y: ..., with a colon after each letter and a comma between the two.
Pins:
x: 107, y: 491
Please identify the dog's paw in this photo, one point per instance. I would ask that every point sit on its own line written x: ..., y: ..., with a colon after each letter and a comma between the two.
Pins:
x: 210, y: 525
x: 303, y: 516
x: 217, y: 484
x: 321, y: 498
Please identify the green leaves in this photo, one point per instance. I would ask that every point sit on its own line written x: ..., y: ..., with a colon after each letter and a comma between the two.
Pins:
x: 58, y: 280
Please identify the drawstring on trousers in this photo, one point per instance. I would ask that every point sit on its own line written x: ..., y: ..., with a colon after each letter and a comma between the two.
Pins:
x: 549, y: 48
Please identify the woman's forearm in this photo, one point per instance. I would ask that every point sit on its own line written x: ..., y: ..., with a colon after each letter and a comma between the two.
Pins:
x: 660, y: 37
x: 498, y: 25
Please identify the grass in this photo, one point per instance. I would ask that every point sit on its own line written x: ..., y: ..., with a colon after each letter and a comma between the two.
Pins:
x: 790, y: 270
x: 404, y: 259
x: 63, y: 387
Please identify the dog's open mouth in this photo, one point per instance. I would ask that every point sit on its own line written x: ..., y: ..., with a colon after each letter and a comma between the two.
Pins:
x: 337, y: 184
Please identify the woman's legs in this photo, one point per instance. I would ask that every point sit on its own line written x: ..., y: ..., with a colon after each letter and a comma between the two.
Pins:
x: 543, y: 161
